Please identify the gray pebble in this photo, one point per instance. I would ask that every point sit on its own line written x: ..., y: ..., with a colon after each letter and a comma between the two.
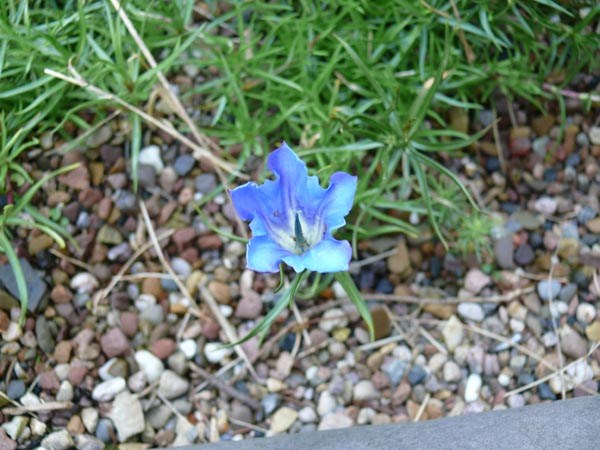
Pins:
x: 548, y: 289
x: 15, y: 389
x: 184, y: 164
x: 417, y: 374
x: 205, y: 183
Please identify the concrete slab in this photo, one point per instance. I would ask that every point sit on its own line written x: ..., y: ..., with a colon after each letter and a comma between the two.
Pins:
x: 567, y: 424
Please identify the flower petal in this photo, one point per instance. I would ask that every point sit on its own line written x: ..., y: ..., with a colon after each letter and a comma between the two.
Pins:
x: 259, y: 204
x: 338, y: 200
x: 292, y: 175
x: 329, y: 255
x: 264, y: 255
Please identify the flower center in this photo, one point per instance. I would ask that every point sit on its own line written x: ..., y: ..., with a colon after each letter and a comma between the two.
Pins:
x: 298, y: 236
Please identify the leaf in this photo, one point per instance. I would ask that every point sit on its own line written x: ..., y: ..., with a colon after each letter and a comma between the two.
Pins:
x: 281, y: 304
x: 13, y: 260
x: 354, y: 295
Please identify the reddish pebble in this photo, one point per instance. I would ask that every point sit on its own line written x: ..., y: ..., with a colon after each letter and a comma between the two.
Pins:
x: 129, y: 323
x: 163, y: 348
x: 182, y: 237
x: 62, y: 352
x: 114, y: 343
x: 49, y: 381
x: 61, y: 294
x: 210, y: 329
x: 77, y: 373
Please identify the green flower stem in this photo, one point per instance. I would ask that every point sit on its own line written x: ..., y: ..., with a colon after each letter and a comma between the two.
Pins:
x: 354, y: 295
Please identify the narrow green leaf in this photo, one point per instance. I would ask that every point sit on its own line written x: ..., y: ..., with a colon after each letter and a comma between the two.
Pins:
x: 354, y: 295
x: 15, y: 264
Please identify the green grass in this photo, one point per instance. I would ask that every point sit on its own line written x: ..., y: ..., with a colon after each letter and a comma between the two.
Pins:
x: 353, y: 85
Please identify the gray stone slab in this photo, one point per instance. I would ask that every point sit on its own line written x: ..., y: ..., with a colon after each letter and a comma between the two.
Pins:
x: 567, y: 424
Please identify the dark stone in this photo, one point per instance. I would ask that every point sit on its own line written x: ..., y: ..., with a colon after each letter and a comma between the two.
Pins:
x: 205, y: 183
x: 270, y: 403
x: 545, y: 392
x: 435, y: 267
x: 416, y: 375
x: 146, y: 176
x: 573, y: 160
x: 184, y: 164
x: 536, y: 240
x: 550, y: 175
x: 366, y: 280
x: 524, y: 255
x: 287, y: 343
x: 36, y: 287
x: 385, y: 286
x: 126, y: 202
x: 492, y: 164
x: 15, y: 389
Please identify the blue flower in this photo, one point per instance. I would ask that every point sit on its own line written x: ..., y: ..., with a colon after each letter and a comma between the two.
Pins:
x: 292, y: 217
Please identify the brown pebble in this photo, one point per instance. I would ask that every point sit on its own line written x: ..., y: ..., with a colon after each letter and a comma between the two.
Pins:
x: 61, y: 294
x: 129, y: 323
x: 77, y: 373
x: 96, y: 172
x: 182, y: 237
x: 104, y: 208
x: 39, y: 243
x: 166, y: 212
x: 58, y: 197
x: 221, y: 292
x: 75, y: 425
x: 153, y: 287
x: 210, y: 329
x: 381, y: 322
x: 89, y: 197
x: 62, y: 352
x: 210, y: 242
x: 163, y: 348
x: 49, y: 381
x: 114, y: 343
x: 77, y: 179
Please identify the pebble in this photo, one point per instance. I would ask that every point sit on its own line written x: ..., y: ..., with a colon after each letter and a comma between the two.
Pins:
x: 593, y: 331
x: 107, y: 390
x: 471, y: 311
x: 89, y: 417
x: 149, y: 364
x: 270, y: 403
x: 189, y: 348
x: 104, y: 430
x: 476, y: 280
x: 335, y: 421
x: 395, y: 370
x: 215, y: 352
x: 59, y: 440
x: 417, y: 374
x: 6, y: 443
x: 472, y: 387
x: 307, y: 415
x: 184, y: 164
x: 573, y: 345
x: 172, y: 385
x: 524, y: 255
x: 364, y: 391
x: 333, y: 318
x: 127, y: 415
x: 87, y: 442
x: 151, y: 156
x: 327, y: 403
x: 282, y: 420
x: 15, y: 389
x: 114, y: 343
x: 453, y: 333
x: 205, y: 183
x: 249, y: 307
x: 586, y: 313
x: 548, y: 289
x: 545, y: 393
x: 65, y: 392
x: 452, y: 372
x: 545, y: 206
x: 43, y: 335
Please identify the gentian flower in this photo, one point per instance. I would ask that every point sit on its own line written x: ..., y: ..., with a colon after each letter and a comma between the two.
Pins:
x: 292, y: 217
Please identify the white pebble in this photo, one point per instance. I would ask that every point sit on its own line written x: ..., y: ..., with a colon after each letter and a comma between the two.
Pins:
x: 107, y: 390
x: 89, y: 417
x: 452, y: 372
x: 364, y: 390
x: 307, y: 415
x: 65, y: 392
x: 151, y: 156
x: 471, y: 311
x: 189, y: 348
x: 84, y: 283
x: 149, y: 364
x: 332, y: 319
x: 327, y: 403
x: 453, y: 333
x: 472, y: 387
x: 586, y: 313
x: 215, y: 352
